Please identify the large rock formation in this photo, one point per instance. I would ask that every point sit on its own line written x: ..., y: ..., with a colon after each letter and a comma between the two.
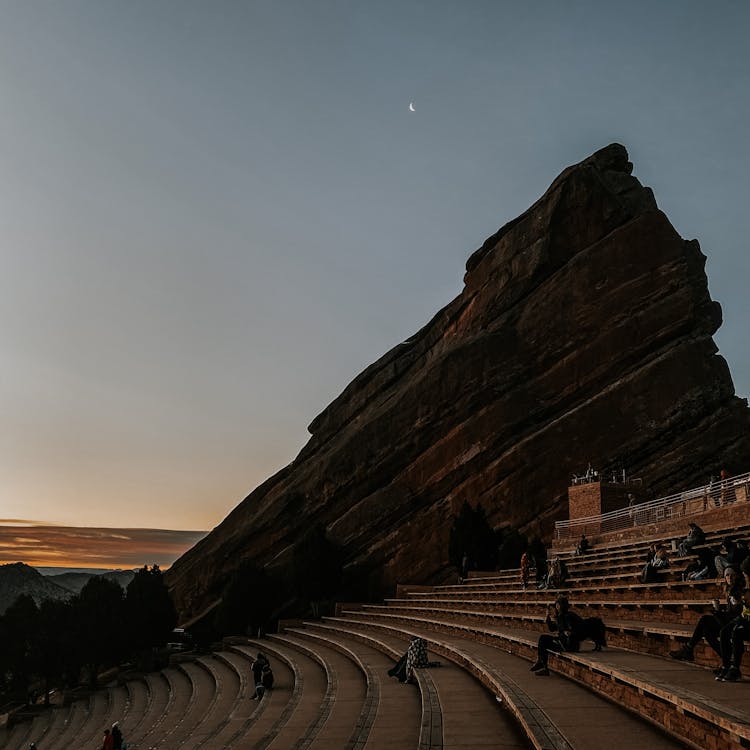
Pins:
x: 583, y: 334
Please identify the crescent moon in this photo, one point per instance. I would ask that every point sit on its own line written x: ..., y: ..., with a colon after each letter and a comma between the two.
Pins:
x: 411, y: 107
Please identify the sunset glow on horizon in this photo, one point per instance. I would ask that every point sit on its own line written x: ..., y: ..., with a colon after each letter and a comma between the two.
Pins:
x: 83, y: 547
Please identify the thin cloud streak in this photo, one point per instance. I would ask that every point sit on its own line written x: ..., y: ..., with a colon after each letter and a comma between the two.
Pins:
x: 83, y: 547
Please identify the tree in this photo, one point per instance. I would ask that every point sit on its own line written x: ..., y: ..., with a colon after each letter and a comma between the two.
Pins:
x: 317, y: 566
x: 510, y: 547
x: 151, y: 615
x: 59, y: 652
x: 18, y: 655
x: 100, y: 621
x: 247, y: 601
x: 473, y: 536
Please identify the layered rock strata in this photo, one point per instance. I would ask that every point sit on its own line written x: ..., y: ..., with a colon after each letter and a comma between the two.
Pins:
x: 583, y: 334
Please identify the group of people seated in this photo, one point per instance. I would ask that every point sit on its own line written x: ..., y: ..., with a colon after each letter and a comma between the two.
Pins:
x: 556, y: 575
x: 726, y: 628
x: 710, y: 562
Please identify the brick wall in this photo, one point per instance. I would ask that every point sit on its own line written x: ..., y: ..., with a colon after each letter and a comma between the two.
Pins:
x: 584, y: 500
x: 594, y: 498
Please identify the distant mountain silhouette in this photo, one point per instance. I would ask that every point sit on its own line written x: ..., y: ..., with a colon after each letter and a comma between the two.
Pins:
x: 18, y: 578
x: 74, y: 582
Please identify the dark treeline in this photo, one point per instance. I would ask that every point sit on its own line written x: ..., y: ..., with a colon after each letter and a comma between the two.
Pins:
x: 253, y: 598
x: 62, y: 644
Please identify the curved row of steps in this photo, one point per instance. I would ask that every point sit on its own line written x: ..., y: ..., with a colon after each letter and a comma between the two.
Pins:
x: 188, y: 705
x: 331, y: 691
x: 644, y: 622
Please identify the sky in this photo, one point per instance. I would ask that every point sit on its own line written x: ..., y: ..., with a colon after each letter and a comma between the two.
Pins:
x: 214, y: 215
x: 54, y: 547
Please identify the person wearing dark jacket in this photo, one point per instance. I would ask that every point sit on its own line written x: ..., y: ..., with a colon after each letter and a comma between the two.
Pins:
x: 116, y: 736
x: 567, y: 627
x: 709, y: 626
x: 695, y: 536
x: 733, y: 636
x: 260, y: 664
x: 732, y: 554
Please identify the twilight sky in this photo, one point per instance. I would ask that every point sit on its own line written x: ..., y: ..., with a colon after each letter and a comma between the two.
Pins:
x: 213, y: 215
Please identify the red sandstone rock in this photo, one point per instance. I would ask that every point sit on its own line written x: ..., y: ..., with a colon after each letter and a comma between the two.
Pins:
x: 583, y: 334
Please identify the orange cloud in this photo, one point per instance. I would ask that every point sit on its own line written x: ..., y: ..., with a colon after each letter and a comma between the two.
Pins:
x: 84, y: 547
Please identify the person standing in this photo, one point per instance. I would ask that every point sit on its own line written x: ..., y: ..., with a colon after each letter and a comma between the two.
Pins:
x: 525, y: 569
x: 116, y: 736
x: 108, y: 742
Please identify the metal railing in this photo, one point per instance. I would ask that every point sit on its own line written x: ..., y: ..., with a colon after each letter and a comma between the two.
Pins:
x: 687, y: 503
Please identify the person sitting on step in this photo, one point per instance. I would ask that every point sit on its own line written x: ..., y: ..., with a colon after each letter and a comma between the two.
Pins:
x: 583, y: 545
x: 695, y: 536
x: 709, y: 626
x: 732, y: 638
x: 414, y: 658
x: 702, y: 567
x: 261, y: 663
x: 659, y: 562
x: 567, y: 626
x: 732, y: 553
x: 557, y: 574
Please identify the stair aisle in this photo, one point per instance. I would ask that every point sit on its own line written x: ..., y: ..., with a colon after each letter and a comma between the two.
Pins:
x: 226, y: 693
x: 136, y: 705
x: 273, y: 710
x: 20, y: 735
x: 346, y: 697
x: 91, y: 732
x: 458, y: 713
x: 69, y: 732
x: 190, y: 691
x: 158, y: 701
x: 297, y: 727
x: 237, y: 719
x: 56, y: 723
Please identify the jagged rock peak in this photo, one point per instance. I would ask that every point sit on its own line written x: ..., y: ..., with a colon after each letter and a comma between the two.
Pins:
x: 582, y: 334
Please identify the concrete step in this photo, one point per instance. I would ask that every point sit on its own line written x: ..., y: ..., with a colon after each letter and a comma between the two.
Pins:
x: 275, y: 706
x: 292, y: 706
x: 681, y: 698
x: 550, y: 716
x: 347, y: 696
x: 457, y: 711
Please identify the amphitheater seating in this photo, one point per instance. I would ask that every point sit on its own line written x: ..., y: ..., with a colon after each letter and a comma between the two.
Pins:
x: 332, y: 690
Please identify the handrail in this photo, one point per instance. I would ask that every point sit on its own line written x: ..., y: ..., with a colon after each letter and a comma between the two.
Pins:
x: 686, y: 503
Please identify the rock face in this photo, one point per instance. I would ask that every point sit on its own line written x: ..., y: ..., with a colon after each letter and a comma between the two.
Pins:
x: 583, y: 334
